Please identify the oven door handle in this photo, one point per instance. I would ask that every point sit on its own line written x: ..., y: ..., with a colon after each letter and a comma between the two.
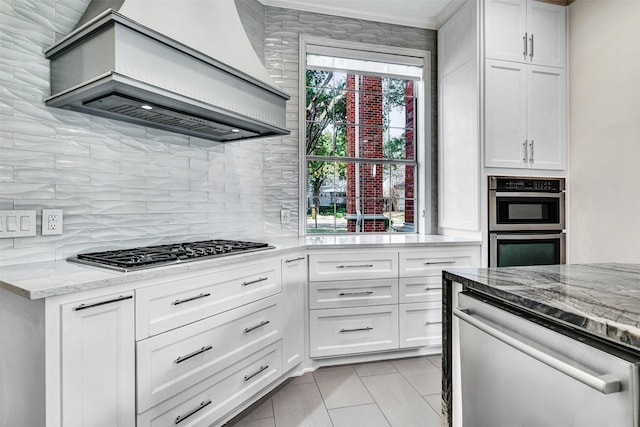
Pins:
x: 605, y: 384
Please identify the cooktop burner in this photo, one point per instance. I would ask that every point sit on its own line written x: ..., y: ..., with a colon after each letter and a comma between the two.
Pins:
x: 153, y: 256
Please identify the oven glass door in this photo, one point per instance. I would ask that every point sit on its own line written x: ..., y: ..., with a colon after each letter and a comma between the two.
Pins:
x: 526, y: 211
x: 511, y: 249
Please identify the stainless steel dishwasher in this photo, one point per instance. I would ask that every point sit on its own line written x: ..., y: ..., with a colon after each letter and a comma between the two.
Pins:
x: 518, y: 372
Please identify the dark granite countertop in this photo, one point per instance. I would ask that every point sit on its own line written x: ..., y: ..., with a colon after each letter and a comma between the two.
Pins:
x: 601, y: 299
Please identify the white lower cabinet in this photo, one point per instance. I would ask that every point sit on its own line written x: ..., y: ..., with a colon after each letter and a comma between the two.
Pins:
x: 421, y: 324
x: 174, y: 361
x: 206, y: 402
x: 98, y: 362
x: 294, y: 285
x: 339, y: 331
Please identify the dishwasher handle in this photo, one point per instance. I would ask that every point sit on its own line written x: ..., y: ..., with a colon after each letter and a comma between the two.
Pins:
x: 605, y: 384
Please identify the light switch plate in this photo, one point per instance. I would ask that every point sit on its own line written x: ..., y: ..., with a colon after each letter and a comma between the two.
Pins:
x: 51, y: 221
x: 17, y: 224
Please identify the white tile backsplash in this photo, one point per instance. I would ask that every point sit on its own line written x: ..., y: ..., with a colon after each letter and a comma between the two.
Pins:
x: 123, y: 185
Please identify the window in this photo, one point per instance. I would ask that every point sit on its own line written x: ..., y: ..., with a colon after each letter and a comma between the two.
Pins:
x: 362, y: 142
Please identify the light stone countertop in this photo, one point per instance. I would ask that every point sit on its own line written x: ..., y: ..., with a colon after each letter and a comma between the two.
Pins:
x: 45, y: 279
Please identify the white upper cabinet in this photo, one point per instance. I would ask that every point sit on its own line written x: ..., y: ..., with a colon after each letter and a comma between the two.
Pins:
x: 530, y: 31
x: 525, y: 116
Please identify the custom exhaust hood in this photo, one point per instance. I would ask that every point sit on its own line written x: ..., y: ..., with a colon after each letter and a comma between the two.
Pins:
x: 167, y: 65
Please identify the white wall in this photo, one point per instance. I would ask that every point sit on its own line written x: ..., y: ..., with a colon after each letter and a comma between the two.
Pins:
x: 604, y: 122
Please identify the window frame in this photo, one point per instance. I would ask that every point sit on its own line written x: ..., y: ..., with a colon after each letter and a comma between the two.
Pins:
x: 314, y: 45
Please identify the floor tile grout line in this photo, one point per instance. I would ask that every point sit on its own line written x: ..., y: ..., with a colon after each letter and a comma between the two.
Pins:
x: 374, y: 399
x: 315, y: 381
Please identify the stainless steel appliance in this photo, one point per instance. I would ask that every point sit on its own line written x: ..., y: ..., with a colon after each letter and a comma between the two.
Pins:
x: 155, y: 256
x: 517, y: 371
x: 526, y: 221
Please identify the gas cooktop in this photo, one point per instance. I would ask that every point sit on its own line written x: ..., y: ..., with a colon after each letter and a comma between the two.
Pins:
x: 155, y: 256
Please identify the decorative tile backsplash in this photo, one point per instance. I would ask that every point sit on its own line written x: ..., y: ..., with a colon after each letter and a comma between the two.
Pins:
x: 122, y: 185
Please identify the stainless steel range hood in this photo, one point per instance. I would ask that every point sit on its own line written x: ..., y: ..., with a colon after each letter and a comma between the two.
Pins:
x: 115, y: 67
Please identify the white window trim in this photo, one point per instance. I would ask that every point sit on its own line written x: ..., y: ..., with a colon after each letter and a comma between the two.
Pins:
x: 309, y: 44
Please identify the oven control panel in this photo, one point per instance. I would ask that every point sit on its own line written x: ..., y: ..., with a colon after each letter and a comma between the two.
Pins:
x: 500, y: 183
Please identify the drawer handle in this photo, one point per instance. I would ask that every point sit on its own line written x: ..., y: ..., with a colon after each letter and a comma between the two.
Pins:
x: 432, y: 288
x: 259, y: 325
x: 355, y: 266
x: 180, y: 301
x: 181, y: 359
x: 261, y: 279
x: 366, y: 328
x: 439, y: 262
x: 262, y: 368
x: 295, y: 259
x: 181, y: 418
x: 96, y: 304
x: 344, y: 294
x: 428, y: 322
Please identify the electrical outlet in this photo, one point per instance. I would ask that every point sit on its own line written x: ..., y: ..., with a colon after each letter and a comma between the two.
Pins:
x: 51, y: 221
x: 285, y: 216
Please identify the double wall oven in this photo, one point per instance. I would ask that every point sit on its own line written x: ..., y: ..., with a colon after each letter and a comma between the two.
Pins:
x: 526, y: 221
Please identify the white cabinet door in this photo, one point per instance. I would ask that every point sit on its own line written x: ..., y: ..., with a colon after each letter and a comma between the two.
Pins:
x: 531, y: 31
x: 547, y: 117
x: 98, y: 362
x: 420, y: 324
x: 505, y: 114
x: 505, y: 28
x: 546, y: 24
x: 294, y: 279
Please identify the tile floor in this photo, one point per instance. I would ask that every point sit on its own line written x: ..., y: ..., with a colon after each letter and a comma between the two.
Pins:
x: 393, y: 393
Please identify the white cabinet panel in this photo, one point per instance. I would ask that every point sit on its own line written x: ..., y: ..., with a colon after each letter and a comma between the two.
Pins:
x: 505, y: 114
x: 353, y: 265
x: 353, y: 293
x: 421, y: 289
x: 547, y: 117
x: 206, y: 402
x: 505, y: 28
x: 421, y: 324
x: 175, y: 303
x: 340, y: 331
x: 547, y: 34
x: 294, y: 281
x: 171, y: 362
x: 98, y: 362
x: 431, y: 261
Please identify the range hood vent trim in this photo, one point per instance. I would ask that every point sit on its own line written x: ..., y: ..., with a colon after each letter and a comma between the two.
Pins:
x: 112, y: 54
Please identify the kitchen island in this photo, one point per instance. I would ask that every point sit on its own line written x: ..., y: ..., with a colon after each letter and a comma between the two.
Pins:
x: 599, y: 302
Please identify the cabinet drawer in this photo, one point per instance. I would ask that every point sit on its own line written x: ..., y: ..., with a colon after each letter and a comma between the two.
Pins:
x: 340, y: 331
x: 175, y: 303
x: 176, y: 360
x: 420, y: 289
x: 431, y: 261
x: 353, y: 293
x: 208, y: 401
x: 350, y: 266
x: 421, y: 324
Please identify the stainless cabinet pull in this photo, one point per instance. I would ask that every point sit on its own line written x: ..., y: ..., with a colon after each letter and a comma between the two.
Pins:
x: 605, y: 384
x: 300, y: 258
x: 259, y: 325
x: 181, y: 418
x: 524, y: 53
x: 428, y: 322
x: 344, y: 294
x: 366, y: 328
x: 355, y: 266
x: 181, y: 359
x: 261, y: 279
x: 262, y: 368
x: 439, y: 262
x: 525, y: 156
x: 531, y: 53
x: 531, y: 145
x: 432, y: 288
x: 96, y: 304
x: 180, y: 301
